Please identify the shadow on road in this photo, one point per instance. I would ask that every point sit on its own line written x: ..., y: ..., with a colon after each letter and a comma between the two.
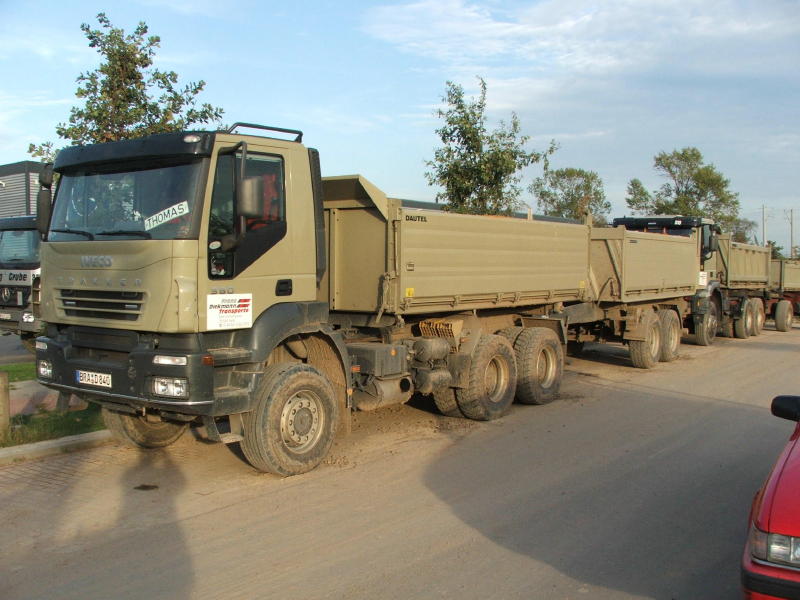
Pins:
x: 121, y: 540
x: 660, y: 512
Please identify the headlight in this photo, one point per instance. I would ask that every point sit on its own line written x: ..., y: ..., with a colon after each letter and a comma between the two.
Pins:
x: 162, y: 359
x: 27, y: 317
x: 45, y: 369
x: 174, y: 387
x: 774, y: 547
x: 41, y: 345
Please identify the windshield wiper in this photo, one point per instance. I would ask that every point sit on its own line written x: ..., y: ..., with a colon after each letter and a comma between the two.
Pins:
x: 145, y: 234
x: 75, y: 231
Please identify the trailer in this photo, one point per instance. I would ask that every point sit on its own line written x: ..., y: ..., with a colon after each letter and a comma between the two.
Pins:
x: 743, y: 271
x: 783, y: 301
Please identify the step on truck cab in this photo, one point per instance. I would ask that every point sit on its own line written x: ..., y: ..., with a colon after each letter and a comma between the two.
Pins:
x: 216, y: 277
x: 19, y: 276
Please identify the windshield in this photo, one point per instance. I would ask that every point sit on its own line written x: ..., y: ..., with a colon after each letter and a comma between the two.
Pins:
x: 149, y: 202
x: 19, y: 246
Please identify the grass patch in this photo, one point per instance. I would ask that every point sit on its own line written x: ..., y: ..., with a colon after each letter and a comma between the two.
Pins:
x: 26, y: 429
x: 20, y: 371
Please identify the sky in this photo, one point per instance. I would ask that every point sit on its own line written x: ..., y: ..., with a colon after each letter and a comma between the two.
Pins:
x: 613, y: 82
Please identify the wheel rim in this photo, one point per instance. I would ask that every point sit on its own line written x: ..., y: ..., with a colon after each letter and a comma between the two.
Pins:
x: 302, y: 420
x: 654, y: 344
x: 495, y: 379
x: 748, y: 319
x: 546, y: 367
x: 712, y: 322
x: 672, y: 338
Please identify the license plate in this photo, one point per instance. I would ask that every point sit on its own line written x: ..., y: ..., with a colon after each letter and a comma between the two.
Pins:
x: 92, y: 378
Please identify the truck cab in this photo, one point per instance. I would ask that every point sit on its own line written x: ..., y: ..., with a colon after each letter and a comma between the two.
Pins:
x: 19, y: 275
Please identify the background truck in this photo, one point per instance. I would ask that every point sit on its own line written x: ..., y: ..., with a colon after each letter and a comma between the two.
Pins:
x: 218, y: 277
x: 19, y: 274
x: 737, y: 287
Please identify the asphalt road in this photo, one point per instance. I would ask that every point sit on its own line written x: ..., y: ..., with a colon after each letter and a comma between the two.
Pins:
x: 634, y: 485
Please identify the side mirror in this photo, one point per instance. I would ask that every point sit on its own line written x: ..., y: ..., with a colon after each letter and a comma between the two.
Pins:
x: 44, y: 205
x: 46, y: 176
x: 786, y: 407
x: 250, y: 202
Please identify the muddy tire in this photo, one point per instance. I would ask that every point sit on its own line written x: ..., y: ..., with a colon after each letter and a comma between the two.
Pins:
x: 511, y: 334
x: 783, y: 315
x: 645, y: 353
x: 743, y: 325
x: 138, y: 431
x: 445, y: 400
x: 292, y: 425
x: 670, y: 324
x: 706, y: 330
x: 759, y: 316
x: 540, y: 365
x: 492, y: 380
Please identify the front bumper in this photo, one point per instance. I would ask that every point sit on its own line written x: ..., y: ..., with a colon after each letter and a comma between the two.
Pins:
x: 11, y: 320
x: 763, y: 581
x: 131, y: 374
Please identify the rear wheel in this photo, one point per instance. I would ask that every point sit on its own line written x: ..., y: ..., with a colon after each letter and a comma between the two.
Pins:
x: 670, y: 335
x: 759, y: 316
x: 292, y: 426
x: 645, y: 353
x: 783, y: 315
x: 445, y: 401
x: 492, y: 380
x: 540, y: 364
x: 743, y: 325
x: 142, y: 431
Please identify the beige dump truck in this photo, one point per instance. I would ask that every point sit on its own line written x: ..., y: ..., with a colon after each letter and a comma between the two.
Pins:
x: 784, y: 296
x: 217, y: 277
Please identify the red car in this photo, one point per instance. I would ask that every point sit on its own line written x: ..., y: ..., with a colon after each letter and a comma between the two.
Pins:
x: 771, y: 561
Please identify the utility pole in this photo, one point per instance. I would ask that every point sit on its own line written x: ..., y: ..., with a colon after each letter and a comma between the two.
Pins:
x: 763, y: 225
x: 790, y: 215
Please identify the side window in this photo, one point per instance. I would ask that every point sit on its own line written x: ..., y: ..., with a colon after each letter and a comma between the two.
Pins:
x: 260, y: 233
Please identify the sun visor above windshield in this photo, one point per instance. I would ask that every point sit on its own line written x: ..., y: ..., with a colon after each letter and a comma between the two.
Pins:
x: 184, y: 143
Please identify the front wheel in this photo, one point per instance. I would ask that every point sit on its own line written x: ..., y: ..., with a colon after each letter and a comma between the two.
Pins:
x: 292, y: 425
x: 142, y: 431
x: 706, y: 329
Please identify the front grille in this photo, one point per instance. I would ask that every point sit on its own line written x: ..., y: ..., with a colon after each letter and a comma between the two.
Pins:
x: 92, y: 304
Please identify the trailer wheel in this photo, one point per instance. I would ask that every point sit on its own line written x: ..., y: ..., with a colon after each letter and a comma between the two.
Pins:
x: 292, y: 425
x: 138, y: 431
x: 743, y: 325
x: 706, y: 331
x: 540, y: 365
x: 783, y: 315
x: 445, y: 400
x: 759, y: 316
x: 645, y: 353
x: 670, y: 324
x: 492, y: 380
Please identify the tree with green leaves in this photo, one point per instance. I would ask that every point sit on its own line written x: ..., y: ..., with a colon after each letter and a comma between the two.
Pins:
x: 478, y: 170
x: 126, y: 97
x: 776, y: 250
x: 743, y: 230
x: 571, y: 193
x: 693, y: 188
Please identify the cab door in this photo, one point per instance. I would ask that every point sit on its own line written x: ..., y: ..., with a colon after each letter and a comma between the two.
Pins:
x: 252, y: 263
